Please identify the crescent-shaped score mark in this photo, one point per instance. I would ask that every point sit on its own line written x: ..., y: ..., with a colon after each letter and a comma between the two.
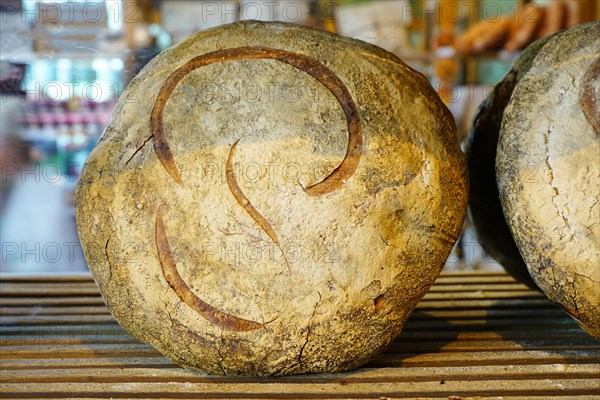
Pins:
x: 589, y: 98
x: 244, y: 202
x: 184, y: 292
x: 302, y: 62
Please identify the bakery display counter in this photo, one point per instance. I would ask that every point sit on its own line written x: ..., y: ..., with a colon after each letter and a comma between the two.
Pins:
x: 474, y: 335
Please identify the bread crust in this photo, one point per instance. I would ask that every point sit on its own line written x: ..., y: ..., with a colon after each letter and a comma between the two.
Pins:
x: 548, y: 173
x: 485, y: 210
x: 219, y: 255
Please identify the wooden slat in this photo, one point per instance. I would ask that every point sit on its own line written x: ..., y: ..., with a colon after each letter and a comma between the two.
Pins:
x: 55, y: 319
x: 484, y: 294
x: 71, y: 329
x: 485, y: 304
x: 68, y: 362
x: 18, y: 289
x: 111, y: 346
x: 375, y: 397
x: 535, y: 387
x: 41, y: 310
x: 370, y: 375
x: 474, y: 287
x: 6, y: 277
x: 447, y: 278
x: 51, y: 301
x: 473, y: 335
x: 89, y: 350
x: 565, y: 334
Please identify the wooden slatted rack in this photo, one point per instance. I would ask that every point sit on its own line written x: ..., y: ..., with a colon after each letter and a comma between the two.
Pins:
x: 474, y: 335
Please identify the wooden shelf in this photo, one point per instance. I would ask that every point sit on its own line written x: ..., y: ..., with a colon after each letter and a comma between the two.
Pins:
x: 474, y: 335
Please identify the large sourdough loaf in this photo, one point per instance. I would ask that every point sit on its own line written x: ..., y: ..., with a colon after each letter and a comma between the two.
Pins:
x: 271, y: 199
x: 485, y: 210
x: 548, y: 171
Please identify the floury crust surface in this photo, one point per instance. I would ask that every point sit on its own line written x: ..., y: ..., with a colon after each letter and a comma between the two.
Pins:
x: 350, y: 265
x: 485, y: 209
x: 548, y: 173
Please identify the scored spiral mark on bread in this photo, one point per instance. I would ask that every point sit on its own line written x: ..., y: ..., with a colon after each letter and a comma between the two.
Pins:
x: 304, y: 63
x: 243, y: 201
x: 330, y: 183
x: 183, y: 291
x: 589, y: 99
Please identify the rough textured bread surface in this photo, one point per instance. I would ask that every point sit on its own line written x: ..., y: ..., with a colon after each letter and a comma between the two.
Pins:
x: 270, y: 199
x: 485, y: 210
x: 548, y: 172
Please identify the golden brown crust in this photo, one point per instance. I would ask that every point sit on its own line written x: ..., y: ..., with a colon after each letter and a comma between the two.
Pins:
x: 492, y: 230
x: 548, y: 169
x: 343, y: 252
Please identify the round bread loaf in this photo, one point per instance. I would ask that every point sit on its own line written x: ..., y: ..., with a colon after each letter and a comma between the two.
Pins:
x: 548, y: 171
x: 485, y: 210
x: 270, y: 199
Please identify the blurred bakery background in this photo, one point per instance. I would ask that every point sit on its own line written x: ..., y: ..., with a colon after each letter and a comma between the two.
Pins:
x: 64, y: 64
